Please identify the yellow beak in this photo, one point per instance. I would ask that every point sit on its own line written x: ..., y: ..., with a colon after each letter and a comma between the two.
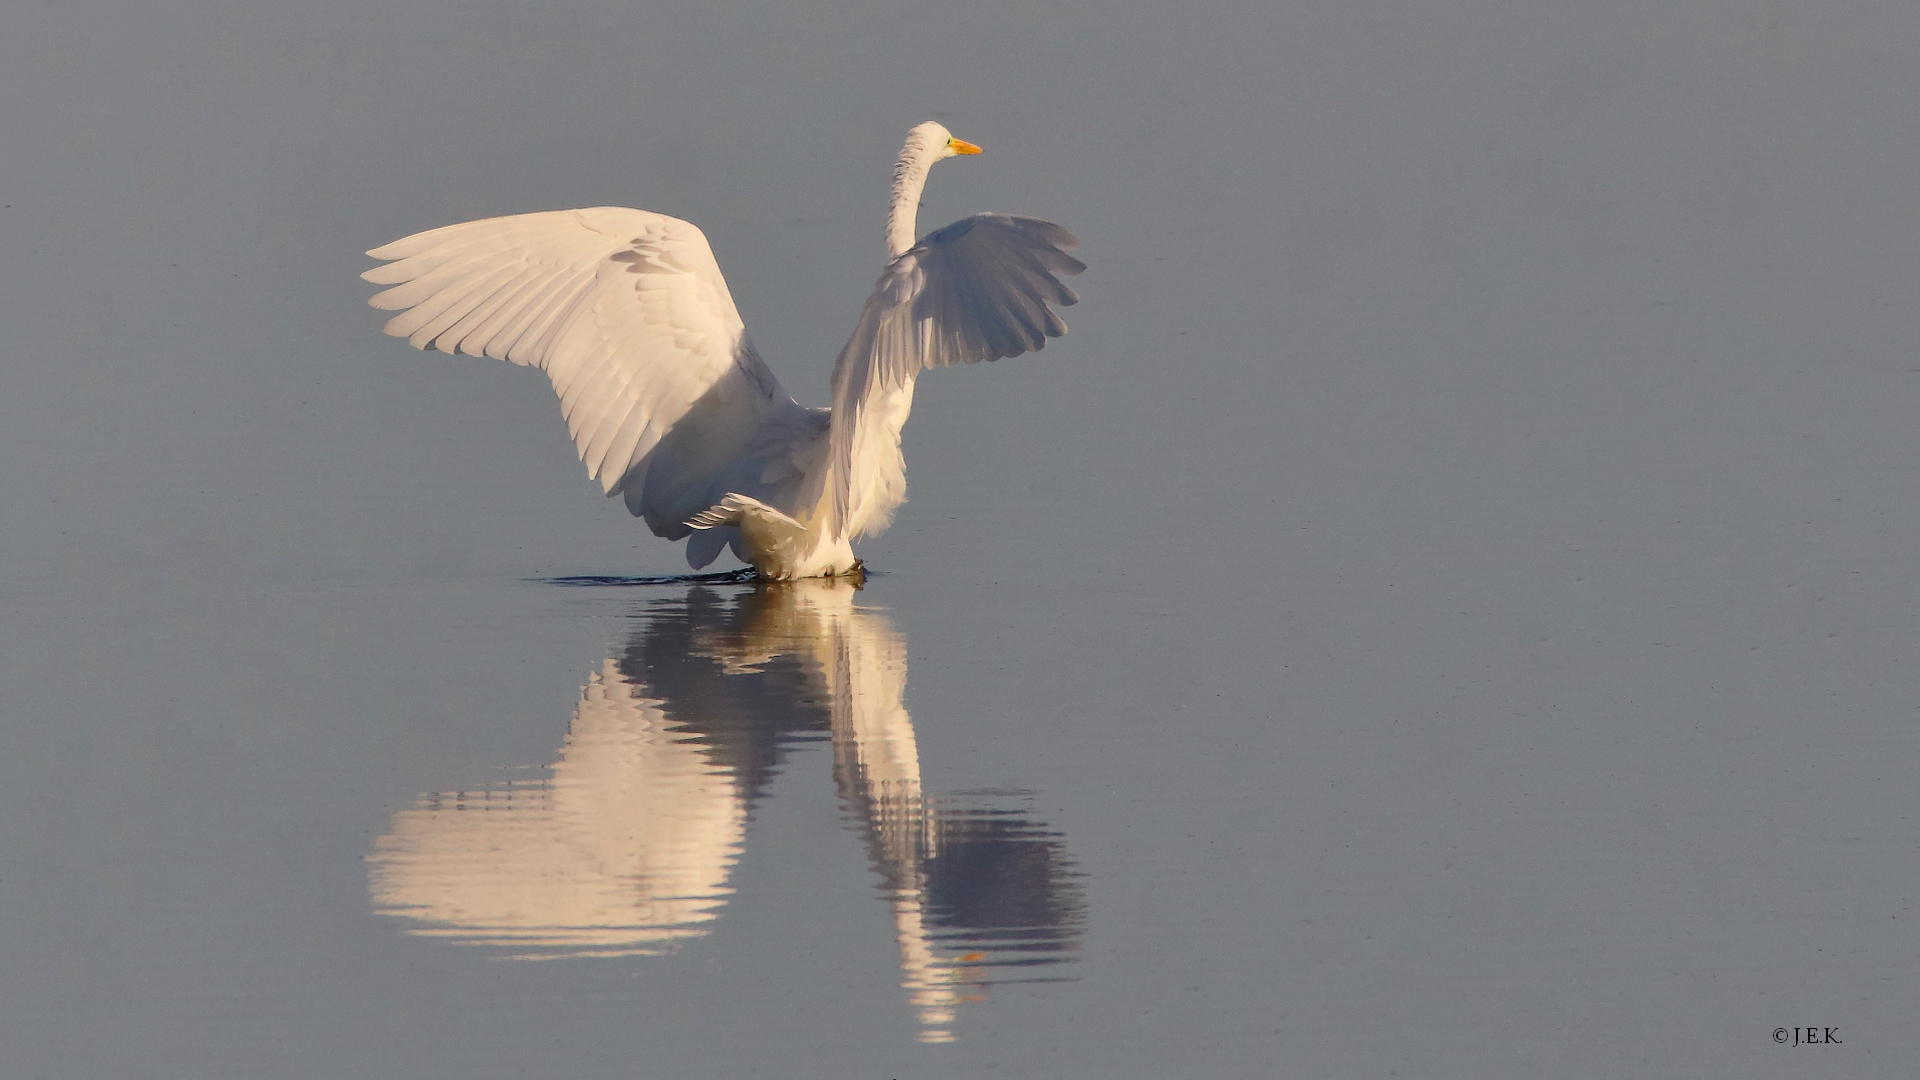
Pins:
x: 962, y: 146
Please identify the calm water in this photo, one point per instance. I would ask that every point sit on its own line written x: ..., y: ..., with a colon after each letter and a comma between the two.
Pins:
x: 1448, y: 608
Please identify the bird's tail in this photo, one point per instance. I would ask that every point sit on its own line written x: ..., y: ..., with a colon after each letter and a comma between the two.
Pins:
x: 771, y: 537
x: 738, y: 509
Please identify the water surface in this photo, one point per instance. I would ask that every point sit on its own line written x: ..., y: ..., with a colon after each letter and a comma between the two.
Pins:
x: 1447, y: 608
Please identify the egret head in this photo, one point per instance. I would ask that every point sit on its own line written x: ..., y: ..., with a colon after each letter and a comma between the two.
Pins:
x: 935, y: 142
x: 926, y: 143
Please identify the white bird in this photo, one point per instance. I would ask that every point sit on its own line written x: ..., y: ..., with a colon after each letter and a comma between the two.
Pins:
x: 667, y: 399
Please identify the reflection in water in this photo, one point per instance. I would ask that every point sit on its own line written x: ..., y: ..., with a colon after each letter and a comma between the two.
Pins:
x: 628, y: 846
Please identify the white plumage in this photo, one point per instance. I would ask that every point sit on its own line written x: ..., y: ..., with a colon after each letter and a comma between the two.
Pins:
x: 667, y: 400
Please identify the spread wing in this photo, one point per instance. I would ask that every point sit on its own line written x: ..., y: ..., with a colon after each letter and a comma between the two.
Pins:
x: 627, y: 312
x: 975, y: 290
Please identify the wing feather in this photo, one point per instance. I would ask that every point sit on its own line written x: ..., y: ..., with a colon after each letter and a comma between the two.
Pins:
x: 476, y: 331
x: 625, y: 310
x: 975, y: 290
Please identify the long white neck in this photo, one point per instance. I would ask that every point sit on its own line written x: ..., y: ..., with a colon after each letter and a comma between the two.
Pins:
x: 909, y: 180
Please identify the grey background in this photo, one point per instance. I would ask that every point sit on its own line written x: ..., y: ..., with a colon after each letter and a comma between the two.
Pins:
x: 1454, y: 590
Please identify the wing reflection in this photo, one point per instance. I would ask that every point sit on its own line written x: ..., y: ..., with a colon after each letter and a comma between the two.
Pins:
x: 628, y: 846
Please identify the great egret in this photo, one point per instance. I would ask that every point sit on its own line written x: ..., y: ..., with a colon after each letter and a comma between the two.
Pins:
x: 666, y: 397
